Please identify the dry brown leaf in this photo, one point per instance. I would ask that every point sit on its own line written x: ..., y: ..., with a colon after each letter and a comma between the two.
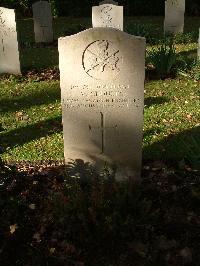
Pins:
x: 13, y: 228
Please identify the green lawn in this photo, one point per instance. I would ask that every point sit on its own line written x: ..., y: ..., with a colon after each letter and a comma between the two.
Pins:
x: 30, y: 120
x: 32, y: 130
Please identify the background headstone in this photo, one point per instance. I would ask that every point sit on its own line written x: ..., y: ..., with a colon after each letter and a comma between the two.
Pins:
x: 102, y: 89
x: 174, y: 16
x: 9, y: 52
x: 108, y: 2
x: 42, y: 21
x: 107, y: 15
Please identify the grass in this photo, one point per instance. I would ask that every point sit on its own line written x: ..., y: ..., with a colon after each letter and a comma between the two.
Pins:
x: 31, y: 119
x: 171, y: 114
x: 30, y: 109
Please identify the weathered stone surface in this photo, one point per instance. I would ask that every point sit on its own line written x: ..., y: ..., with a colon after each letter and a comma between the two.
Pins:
x: 9, y: 52
x: 102, y: 89
x: 174, y: 16
x: 42, y: 21
x: 107, y: 15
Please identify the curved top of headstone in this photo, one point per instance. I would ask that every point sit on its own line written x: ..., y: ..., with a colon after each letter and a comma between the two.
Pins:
x: 41, y: 3
x: 102, y: 30
x: 180, y: 4
x: 108, y: 2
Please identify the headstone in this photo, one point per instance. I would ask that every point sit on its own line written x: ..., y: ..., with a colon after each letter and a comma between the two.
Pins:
x: 108, y: 2
x: 102, y: 85
x: 174, y: 16
x: 9, y: 52
x: 107, y: 15
x: 42, y: 21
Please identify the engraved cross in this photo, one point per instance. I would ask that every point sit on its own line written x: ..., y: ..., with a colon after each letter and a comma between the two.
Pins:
x: 102, y: 128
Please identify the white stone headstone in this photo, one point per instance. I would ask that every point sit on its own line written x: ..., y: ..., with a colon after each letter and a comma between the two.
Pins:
x: 174, y: 16
x: 102, y: 73
x: 42, y: 21
x: 108, y: 2
x: 9, y: 52
x: 107, y: 15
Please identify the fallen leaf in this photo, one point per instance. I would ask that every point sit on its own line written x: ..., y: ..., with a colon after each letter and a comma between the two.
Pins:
x: 37, y: 237
x: 13, y: 228
x: 186, y: 254
x: 32, y: 206
x: 52, y: 250
x: 189, y: 117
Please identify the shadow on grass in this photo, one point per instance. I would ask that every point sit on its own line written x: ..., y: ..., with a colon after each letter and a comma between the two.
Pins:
x: 151, y: 74
x: 35, y: 98
x: 185, y: 145
x: 38, y: 58
x: 22, y: 135
x: 155, y: 101
x: 176, y: 147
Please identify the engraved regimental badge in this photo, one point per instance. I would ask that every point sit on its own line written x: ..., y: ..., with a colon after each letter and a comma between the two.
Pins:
x: 101, y: 60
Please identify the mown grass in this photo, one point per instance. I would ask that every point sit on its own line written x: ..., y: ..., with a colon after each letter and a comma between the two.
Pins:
x: 171, y: 118
x: 31, y: 116
x: 32, y: 130
x: 31, y: 127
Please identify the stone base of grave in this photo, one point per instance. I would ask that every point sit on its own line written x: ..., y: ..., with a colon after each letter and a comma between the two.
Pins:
x: 121, y: 172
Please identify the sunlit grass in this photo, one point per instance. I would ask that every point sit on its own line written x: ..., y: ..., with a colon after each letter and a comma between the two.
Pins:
x: 32, y: 129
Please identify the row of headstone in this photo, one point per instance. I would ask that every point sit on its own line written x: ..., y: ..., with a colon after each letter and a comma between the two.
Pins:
x: 174, y: 16
x: 107, y: 14
x: 9, y: 48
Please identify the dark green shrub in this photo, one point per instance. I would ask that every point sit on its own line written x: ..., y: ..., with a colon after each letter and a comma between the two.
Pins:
x: 73, y: 29
x: 148, y: 31
x: 163, y: 59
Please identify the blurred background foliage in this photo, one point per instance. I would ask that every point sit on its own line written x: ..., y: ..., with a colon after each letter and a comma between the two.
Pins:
x: 82, y: 8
